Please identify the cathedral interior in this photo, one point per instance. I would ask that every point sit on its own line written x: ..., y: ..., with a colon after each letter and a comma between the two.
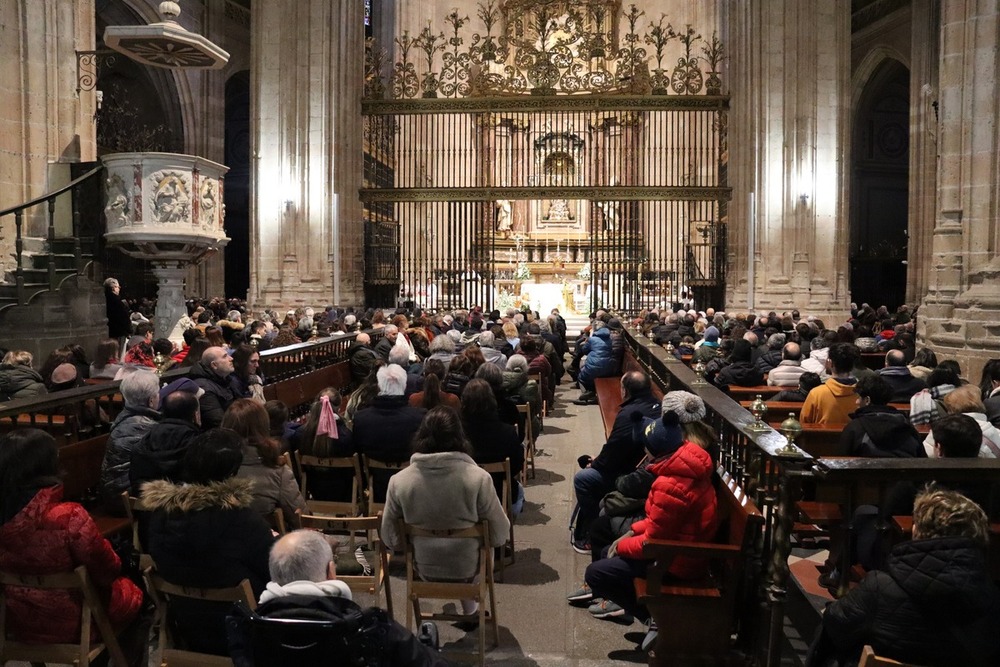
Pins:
x: 743, y: 155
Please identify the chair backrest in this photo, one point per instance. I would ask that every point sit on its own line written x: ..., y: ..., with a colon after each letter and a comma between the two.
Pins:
x: 354, y: 528
x: 479, y: 532
x: 91, y: 610
x: 287, y: 641
x: 502, y: 469
x: 163, y: 591
x: 351, y: 507
x: 382, y: 470
x: 869, y: 659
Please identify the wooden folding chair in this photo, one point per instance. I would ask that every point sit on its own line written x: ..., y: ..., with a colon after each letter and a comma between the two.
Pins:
x: 162, y: 591
x: 417, y: 589
x: 529, y: 439
x: 377, y: 555
x: 869, y: 659
x: 350, y: 507
x: 92, y: 611
x: 371, y: 465
x: 537, y: 377
x: 506, y: 500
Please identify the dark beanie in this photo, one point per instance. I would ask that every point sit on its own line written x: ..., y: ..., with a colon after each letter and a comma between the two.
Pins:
x: 661, y: 437
x: 741, y: 350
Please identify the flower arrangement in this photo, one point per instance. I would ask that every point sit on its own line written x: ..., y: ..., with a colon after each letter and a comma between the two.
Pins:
x: 584, y: 272
x: 522, y: 272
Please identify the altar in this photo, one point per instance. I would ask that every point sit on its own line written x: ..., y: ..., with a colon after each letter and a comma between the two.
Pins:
x: 568, y: 296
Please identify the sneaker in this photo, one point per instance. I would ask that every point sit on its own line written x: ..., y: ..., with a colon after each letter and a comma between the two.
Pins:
x: 605, y: 609
x: 650, y: 639
x: 582, y: 594
x: 582, y: 547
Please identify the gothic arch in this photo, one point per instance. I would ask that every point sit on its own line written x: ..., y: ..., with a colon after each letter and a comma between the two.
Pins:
x: 879, y: 181
x: 867, y: 68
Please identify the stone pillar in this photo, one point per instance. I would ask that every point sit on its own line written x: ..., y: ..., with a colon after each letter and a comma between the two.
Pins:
x: 790, y: 67
x: 923, y: 144
x: 960, y: 314
x: 306, y: 219
x: 170, y: 306
x: 42, y: 118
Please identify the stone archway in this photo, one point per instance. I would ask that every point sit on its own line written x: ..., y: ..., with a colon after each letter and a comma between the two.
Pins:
x: 880, y: 187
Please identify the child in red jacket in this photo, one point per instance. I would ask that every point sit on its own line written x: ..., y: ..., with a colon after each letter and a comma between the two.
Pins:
x: 681, y: 506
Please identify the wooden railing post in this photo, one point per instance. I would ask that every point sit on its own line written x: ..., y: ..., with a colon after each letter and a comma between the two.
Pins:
x: 51, y: 208
x: 18, y: 249
x: 77, y: 250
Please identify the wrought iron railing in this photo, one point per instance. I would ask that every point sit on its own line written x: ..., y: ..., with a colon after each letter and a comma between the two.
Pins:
x: 49, y: 201
x: 775, y: 480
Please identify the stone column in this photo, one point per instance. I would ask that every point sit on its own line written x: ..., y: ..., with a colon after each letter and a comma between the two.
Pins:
x: 790, y: 66
x: 306, y: 218
x: 170, y: 306
x: 42, y: 118
x: 924, y: 107
x: 960, y: 314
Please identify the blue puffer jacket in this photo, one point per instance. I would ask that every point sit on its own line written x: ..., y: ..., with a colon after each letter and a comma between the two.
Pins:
x: 600, y: 358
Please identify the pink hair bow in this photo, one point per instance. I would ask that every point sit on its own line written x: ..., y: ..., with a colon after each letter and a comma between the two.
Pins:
x: 327, y: 420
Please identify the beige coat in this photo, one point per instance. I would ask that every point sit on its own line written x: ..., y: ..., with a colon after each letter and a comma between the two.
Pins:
x: 443, y: 491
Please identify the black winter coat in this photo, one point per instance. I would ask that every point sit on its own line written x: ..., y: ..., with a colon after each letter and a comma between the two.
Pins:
x: 881, y: 431
x: 362, y: 358
x: 384, y: 431
x: 621, y: 453
x: 935, y: 605
x: 382, y: 641
x: 768, y: 359
x: 741, y: 374
x: 492, y: 442
x: 159, y: 453
x: 206, y: 536
x: 218, y: 396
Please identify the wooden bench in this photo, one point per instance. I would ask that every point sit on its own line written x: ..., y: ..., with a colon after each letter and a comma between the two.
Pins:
x: 750, y: 393
x: 80, y: 467
x: 609, y: 400
x: 299, y: 392
x: 697, y: 618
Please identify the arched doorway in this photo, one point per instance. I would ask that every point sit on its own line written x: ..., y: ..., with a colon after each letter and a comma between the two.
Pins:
x: 238, y: 184
x: 879, y: 188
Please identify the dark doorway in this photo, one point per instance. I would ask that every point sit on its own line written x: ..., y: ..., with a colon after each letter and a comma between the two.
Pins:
x: 237, y: 194
x: 880, y: 188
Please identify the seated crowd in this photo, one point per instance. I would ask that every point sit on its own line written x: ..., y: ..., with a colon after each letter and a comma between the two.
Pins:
x: 213, y: 464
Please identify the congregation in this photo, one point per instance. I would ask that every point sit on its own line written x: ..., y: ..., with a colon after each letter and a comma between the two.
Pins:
x: 216, y: 470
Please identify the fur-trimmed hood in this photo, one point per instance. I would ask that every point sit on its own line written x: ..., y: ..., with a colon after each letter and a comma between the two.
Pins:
x: 229, y: 494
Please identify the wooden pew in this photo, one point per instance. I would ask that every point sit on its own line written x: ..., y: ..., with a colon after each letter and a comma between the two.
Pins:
x: 750, y: 393
x: 696, y: 618
x: 80, y: 468
x: 299, y: 392
x: 609, y: 399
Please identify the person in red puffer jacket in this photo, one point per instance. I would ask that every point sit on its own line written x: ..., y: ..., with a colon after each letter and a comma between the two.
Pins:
x: 681, y: 506
x: 40, y: 534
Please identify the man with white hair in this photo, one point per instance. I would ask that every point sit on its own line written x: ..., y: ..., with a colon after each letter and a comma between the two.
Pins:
x: 383, y: 430
x: 384, y: 346
x: 304, y: 586
x: 212, y: 374
x: 487, y: 342
x: 141, y: 391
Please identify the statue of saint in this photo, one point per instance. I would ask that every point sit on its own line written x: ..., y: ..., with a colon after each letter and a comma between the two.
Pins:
x: 504, y: 220
x: 610, y: 211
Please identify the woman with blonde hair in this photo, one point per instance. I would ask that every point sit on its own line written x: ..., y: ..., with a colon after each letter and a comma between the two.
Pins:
x: 274, y: 483
x: 18, y: 379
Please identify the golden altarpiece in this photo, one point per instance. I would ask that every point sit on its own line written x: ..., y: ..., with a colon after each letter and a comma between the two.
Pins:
x: 546, y: 153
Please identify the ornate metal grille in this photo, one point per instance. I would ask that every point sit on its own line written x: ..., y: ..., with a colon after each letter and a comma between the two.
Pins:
x: 507, y: 190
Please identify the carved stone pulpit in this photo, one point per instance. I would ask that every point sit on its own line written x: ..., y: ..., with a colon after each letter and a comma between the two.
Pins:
x: 167, y: 209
